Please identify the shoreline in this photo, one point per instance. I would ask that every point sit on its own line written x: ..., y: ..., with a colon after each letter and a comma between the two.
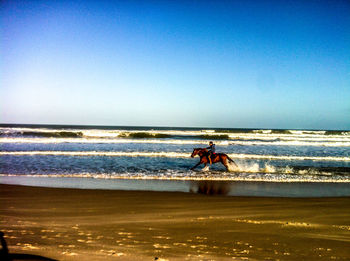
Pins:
x: 254, y: 188
x: 75, y: 224
x: 157, y: 178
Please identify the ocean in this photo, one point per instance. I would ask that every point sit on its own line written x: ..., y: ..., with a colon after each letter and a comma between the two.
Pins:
x: 270, y: 162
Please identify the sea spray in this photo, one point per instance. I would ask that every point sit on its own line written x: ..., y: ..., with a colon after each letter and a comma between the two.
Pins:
x: 232, y: 167
x: 244, y: 167
x: 268, y: 168
x: 206, y: 168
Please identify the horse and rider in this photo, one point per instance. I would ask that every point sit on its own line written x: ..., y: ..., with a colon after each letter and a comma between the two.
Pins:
x: 211, y: 151
x: 208, y: 155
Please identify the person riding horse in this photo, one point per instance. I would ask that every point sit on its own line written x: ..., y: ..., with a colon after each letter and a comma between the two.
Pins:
x: 211, y: 151
x: 214, y: 158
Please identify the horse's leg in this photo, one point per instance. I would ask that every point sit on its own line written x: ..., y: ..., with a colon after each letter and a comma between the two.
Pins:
x: 205, y: 165
x: 195, y: 166
x: 224, y: 162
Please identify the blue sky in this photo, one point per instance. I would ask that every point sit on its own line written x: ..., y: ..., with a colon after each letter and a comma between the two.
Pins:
x: 235, y: 64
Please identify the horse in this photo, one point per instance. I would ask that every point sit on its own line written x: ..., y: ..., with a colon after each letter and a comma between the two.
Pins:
x: 215, y: 158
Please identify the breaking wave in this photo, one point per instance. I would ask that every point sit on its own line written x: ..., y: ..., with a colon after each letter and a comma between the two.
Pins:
x: 169, y: 155
x: 178, y: 141
x: 244, y: 173
x: 164, y: 154
x: 164, y: 133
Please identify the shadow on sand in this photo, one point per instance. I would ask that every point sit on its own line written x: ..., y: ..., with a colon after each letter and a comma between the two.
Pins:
x: 210, y: 188
x: 6, y: 256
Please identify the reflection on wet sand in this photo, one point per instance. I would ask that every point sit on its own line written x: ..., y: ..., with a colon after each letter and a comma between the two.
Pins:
x: 210, y: 187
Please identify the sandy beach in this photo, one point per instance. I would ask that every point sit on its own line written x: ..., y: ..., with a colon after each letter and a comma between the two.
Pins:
x: 75, y: 224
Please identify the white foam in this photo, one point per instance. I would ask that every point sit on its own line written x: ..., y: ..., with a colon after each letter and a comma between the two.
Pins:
x: 197, y: 177
x: 96, y: 141
x: 168, y: 155
x: 265, y: 135
x: 206, y: 168
x: 232, y: 167
x: 247, y: 167
x: 288, y: 157
x: 174, y: 141
x: 99, y: 153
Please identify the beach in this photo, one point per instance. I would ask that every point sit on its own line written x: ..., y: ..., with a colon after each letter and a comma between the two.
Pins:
x: 86, y: 224
x: 175, y: 130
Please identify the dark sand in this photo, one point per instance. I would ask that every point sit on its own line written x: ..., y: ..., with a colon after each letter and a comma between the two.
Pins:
x: 73, y: 224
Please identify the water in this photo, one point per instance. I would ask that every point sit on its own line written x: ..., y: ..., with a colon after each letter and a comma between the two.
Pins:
x: 146, y: 153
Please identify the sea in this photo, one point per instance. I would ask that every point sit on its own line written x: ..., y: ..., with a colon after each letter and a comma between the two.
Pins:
x: 270, y: 162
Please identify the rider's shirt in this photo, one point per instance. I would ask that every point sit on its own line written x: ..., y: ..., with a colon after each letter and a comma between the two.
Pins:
x: 211, y: 148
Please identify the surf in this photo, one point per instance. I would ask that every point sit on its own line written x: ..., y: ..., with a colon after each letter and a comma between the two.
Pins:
x: 173, y: 141
x: 216, y: 134
x: 199, y: 176
x: 170, y: 155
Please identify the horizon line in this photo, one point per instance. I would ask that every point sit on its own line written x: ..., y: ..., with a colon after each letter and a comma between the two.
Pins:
x: 143, y: 126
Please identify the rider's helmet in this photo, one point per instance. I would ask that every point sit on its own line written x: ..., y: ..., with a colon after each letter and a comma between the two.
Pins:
x: 210, y: 143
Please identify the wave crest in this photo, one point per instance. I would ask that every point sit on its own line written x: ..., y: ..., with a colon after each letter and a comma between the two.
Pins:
x: 169, y: 155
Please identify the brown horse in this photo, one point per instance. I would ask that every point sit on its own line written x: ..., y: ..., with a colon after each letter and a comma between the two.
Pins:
x: 215, y: 158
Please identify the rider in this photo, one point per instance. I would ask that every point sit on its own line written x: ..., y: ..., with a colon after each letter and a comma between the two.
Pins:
x: 211, y: 151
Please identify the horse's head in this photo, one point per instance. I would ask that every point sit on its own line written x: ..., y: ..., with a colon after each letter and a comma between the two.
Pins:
x: 194, y: 153
x: 197, y: 151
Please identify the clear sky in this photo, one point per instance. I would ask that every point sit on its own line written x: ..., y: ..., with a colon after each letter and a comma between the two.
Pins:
x: 235, y: 64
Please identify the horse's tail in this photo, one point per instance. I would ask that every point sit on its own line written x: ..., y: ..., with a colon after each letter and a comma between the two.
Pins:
x: 231, y: 161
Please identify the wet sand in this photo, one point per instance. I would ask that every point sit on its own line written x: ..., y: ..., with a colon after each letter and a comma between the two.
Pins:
x: 75, y: 224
